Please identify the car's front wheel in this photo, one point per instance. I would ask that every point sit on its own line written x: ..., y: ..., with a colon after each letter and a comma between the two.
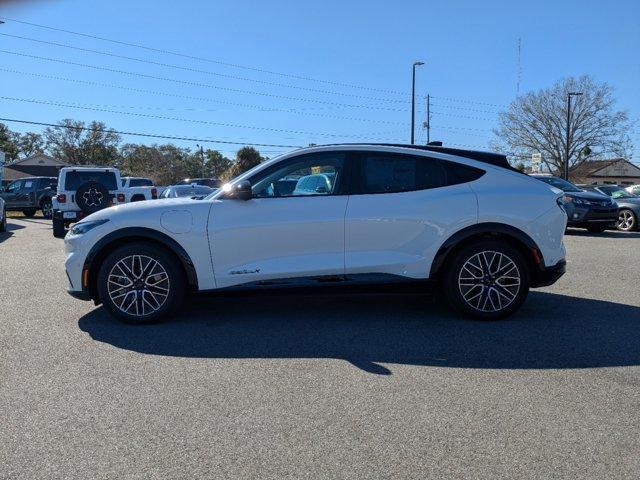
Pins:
x: 29, y: 213
x: 3, y: 222
x: 627, y: 221
x: 141, y: 283
x: 487, y: 280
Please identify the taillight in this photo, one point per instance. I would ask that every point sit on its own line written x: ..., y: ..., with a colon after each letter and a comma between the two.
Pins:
x: 154, y: 193
x: 120, y: 197
x: 61, y: 197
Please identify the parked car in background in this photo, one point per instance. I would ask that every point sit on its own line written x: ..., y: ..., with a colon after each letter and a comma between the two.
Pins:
x: 3, y: 216
x: 635, y: 189
x: 591, y: 210
x: 194, y: 191
x: 466, y: 220
x: 628, y: 205
x: 83, y: 191
x: 207, y: 182
x: 28, y: 195
x: 317, y: 184
x: 137, y: 189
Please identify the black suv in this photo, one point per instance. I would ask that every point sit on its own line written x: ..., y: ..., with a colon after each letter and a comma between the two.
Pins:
x: 590, y: 210
x: 28, y: 195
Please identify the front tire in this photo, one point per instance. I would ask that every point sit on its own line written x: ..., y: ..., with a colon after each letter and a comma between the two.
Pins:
x: 627, y: 221
x: 141, y: 283
x: 3, y: 223
x: 29, y: 213
x: 487, y: 280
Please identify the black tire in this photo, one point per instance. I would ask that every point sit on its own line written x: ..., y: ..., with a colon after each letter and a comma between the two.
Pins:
x: 503, y: 297
x: 627, y: 221
x: 92, y: 196
x: 58, y: 228
x: 118, y: 301
x: 596, y: 228
x: 29, y: 213
x: 138, y: 198
x: 3, y: 223
x: 47, y: 208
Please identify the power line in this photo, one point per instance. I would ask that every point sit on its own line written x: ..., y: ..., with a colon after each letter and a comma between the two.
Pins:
x: 202, y: 59
x: 195, y: 98
x: 197, y: 84
x: 150, y: 135
x: 461, y: 100
x: 206, y: 72
x: 179, y: 119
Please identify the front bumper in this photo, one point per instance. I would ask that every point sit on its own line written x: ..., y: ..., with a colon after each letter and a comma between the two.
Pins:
x: 79, y: 294
x: 549, y: 275
x: 590, y: 215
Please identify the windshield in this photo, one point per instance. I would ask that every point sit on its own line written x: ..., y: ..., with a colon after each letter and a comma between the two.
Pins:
x: 193, y: 191
x: 560, y: 183
x: 616, y: 192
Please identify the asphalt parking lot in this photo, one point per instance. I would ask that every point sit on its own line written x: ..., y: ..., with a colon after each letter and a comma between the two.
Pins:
x: 323, y: 385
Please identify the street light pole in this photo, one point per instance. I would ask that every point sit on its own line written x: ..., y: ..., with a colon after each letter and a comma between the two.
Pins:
x: 568, y: 132
x: 413, y: 100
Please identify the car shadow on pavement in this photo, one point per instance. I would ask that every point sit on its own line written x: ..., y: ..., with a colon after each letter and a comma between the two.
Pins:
x: 9, y: 232
x: 605, y: 234
x: 550, y: 332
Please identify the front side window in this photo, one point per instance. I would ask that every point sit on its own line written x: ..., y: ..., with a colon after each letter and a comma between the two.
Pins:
x: 15, y: 186
x: 316, y: 174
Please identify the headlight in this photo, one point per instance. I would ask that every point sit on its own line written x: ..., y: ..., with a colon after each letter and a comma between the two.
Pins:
x: 574, y: 200
x: 83, y: 227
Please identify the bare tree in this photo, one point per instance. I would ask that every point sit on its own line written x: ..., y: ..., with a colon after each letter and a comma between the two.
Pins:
x: 537, y: 123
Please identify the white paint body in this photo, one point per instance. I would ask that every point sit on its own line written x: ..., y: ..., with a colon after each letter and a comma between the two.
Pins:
x: 233, y: 242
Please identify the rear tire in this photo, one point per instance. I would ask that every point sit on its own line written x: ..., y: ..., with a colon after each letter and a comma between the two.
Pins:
x: 596, y: 228
x: 58, y: 228
x: 47, y: 208
x: 3, y: 223
x: 141, y: 283
x: 29, y: 213
x: 487, y: 280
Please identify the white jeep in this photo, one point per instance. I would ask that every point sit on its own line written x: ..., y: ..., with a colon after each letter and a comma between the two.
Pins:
x: 137, y: 189
x: 83, y: 191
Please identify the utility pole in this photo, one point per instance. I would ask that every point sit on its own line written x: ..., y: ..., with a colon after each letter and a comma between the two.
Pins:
x: 413, y: 101
x: 568, y: 132
x: 428, y: 118
x: 202, y: 157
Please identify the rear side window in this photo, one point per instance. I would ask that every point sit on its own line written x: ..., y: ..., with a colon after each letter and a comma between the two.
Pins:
x: 73, y: 180
x: 391, y: 172
x: 140, y: 182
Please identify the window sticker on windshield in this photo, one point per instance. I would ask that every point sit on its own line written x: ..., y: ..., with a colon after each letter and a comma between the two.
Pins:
x: 28, y: 184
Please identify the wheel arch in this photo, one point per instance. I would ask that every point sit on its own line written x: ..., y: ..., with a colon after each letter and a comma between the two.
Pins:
x: 121, y: 237
x: 497, y: 231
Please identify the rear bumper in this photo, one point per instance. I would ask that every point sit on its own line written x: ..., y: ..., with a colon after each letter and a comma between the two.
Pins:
x: 549, y: 276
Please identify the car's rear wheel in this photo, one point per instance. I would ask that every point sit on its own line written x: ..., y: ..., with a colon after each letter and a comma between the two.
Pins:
x: 141, y: 283
x: 627, y: 221
x: 3, y: 223
x: 487, y: 280
x: 58, y: 228
x: 47, y: 208
x: 29, y: 213
x: 596, y: 228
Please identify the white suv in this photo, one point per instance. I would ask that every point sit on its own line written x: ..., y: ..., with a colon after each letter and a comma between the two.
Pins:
x: 464, y: 219
x: 83, y: 191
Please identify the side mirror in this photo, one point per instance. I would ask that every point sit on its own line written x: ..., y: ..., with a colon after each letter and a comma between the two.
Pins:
x: 241, y: 191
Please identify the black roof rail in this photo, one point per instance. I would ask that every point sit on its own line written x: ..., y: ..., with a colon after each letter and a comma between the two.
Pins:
x: 497, y: 159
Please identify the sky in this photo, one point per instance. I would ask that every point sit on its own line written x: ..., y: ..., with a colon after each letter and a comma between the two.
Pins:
x: 291, y: 73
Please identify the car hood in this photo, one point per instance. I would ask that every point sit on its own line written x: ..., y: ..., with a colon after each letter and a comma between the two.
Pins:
x: 145, y: 209
x: 588, y: 196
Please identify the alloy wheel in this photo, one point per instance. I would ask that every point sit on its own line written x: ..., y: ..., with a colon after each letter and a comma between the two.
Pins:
x: 489, y: 281
x: 47, y: 210
x: 138, y: 285
x: 626, y: 220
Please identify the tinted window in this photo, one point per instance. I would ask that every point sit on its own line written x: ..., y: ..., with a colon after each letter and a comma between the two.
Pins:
x: 75, y: 179
x: 15, y: 186
x: 559, y: 183
x: 140, y: 182
x: 195, y: 191
x: 391, y: 172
